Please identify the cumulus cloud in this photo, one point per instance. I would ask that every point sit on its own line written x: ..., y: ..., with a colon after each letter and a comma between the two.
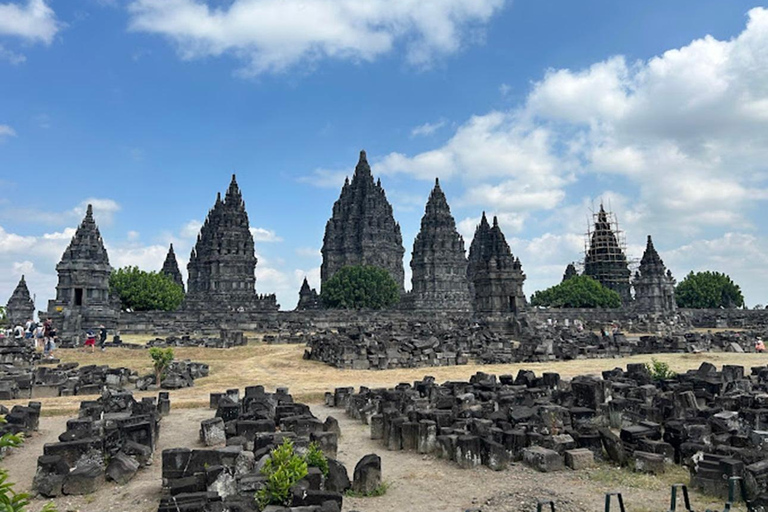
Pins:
x: 265, y: 235
x: 33, y: 21
x: 274, y: 35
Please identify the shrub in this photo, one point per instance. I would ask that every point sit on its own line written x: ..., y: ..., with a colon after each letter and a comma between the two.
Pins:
x: 360, y: 287
x: 577, y: 292
x: 659, y: 370
x: 380, y: 490
x: 316, y: 458
x: 702, y: 290
x: 283, y: 469
x: 161, y: 359
x: 11, y: 501
x: 145, y: 291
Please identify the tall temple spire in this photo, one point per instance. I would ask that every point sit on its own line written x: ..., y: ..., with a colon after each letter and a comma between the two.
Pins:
x: 362, y: 229
x: 605, y: 260
x: 20, y: 307
x: 438, y: 263
x: 653, y: 283
x: 171, y: 268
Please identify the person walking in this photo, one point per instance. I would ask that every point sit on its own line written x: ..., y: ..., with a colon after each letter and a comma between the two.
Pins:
x: 759, y: 345
x: 90, y: 340
x: 39, y: 335
x: 102, y: 337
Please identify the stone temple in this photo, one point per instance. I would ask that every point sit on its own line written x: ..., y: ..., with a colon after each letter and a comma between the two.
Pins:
x: 20, y: 307
x: 438, y: 262
x: 222, y: 264
x: 308, y: 297
x: 605, y: 260
x: 171, y: 268
x: 654, y: 284
x: 496, y: 276
x: 362, y: 229
x: 82, y: 298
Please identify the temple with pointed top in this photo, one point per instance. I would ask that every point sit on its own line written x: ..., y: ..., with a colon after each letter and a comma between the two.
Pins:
x: 82, y: 298
x: 605, y: 260
x: 308, y: 298
x: 171, y: 268
x: 362, y: 229
x: 20, y: 307
x: 222, y: 264
x: 495, y: 275
x: 654, y: 284
x: 438, y: 262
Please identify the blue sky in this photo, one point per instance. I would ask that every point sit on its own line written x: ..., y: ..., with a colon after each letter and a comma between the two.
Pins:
x: 532, y: 110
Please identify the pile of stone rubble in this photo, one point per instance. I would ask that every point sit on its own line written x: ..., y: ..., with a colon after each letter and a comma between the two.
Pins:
x: 111, y: 439
x: 713, y: 422
x: 19, y: 420
x: 226, y: 339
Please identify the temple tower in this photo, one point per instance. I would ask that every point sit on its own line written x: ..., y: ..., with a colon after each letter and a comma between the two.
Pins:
x: 496, y: 276
x: 20, y: 307
x: 222, y: 264
x: 82, y: 295
x: 362, y: 229
x: 654, y: 284
x: 438, y: 262
x: 171, y: 268
x: 570, y: 271
x: 605, y: 259
x: 308, y: 297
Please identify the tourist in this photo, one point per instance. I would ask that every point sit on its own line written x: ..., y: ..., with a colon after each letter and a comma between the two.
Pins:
x: 18, y: 332
x: 759, y: 345
x: 90, y: 340
x: 29, y: 329
x: 102, y: 337
x: 39, y: 334
x: 50, y: 344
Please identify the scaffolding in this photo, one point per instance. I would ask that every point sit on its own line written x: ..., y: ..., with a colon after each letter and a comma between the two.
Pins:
x: 605, y: 250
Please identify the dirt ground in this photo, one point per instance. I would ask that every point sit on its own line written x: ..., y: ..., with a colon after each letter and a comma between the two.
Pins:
x: 417, y: 483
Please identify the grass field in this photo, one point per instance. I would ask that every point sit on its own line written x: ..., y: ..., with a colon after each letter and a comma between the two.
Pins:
x: 283, y: 365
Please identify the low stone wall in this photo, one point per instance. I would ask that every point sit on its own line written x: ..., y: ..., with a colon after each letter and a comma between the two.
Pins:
x: 20, y: 420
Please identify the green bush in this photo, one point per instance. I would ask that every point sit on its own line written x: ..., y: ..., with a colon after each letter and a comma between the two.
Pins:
x: 659, y: 370
x: 713, y: 290
x: 161, y: 359
x: 316, y: 458
x: 360, y: 287
x: 145, y: 291
x: 3, y: 316
x: 11, y: 501
x: 577, y: 292
x: 283, y: 469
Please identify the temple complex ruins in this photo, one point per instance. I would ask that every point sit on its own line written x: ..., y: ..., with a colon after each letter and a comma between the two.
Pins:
x: 495, y: 275
x: 308, y: 297
x: 605, y: 259
x: 654, y: 284
x: 362, y: 229
x: 82, y: 294
x: 222, y: 264
x: 438, y: 263
x: 171, y: 268
x: 20, y: 307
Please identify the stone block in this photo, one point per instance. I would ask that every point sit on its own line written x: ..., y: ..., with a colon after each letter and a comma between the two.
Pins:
x: 543, y: 459
x: 652, y: 463
x: 86, y: 478
x: 122, y: 468
x: 580, y: 458
x: 367, y: 474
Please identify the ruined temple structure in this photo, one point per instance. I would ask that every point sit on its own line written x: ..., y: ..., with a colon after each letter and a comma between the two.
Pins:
x: 171, y: 268
x: 20, y: 307
x: 570, y: 271
x: 362, y: 229
x: 605, y: 260
x: 496, y: 276
x: 308, y: 297
x: 82, y: 298
x: 654, y: 284
x: 438, y: 262
x: 223, y: 262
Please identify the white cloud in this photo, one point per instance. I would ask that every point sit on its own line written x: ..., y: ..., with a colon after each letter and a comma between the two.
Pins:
x: 274, y: 35
x: 308, y: 252
x: 34, y: 21
x: 6, y: 131
x: 264, y: 235
x: 325, y: 178
x: 427, y: 129
x: 191, y: 229
x: 11, y: 56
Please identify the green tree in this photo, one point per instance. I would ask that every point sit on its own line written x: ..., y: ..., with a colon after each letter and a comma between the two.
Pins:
x: 3, y: 316
x: 145, y: 291
x: 360, y: 287
x: 161, y: 360
x: 577, y: 292
x: 708, y: 290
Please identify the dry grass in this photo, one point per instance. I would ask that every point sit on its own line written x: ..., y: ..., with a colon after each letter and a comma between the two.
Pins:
x: 283, y: 365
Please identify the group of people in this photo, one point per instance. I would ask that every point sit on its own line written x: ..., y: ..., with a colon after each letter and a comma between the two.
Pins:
x: 43, y: 335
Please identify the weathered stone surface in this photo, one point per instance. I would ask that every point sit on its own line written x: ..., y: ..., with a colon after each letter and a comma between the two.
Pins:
x: 649, y: 463
x: 171, y: 268
x: 580, y: 458
x: 86, y: 478
x: 309, y: 299
x: 337, y: 479
x: 654, y: 284
x: 20, y: 307
x: 362, y: 229
x: 122, y: 468
x: 543, y: 459
x: 50, y: 474
x: 367, y: 475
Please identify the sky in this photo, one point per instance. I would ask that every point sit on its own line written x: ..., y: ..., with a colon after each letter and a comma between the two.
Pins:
x: 532, y: 110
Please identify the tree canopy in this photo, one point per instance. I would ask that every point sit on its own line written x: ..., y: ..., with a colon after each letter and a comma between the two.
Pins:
x: 577, y: 292
x: 360, y: 287
x: 139, y: 290
x: 702, y: 290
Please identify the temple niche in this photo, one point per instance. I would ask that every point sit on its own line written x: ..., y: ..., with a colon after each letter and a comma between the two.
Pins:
x: 362, y: 229
x: 171, y: 268
x: 605, y: 260
x: 82, y: 298
x: 654, y: 284
x: 20, y: 307
x: 222, y: 264
x: 438, y: 263
x: 495, y: 275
